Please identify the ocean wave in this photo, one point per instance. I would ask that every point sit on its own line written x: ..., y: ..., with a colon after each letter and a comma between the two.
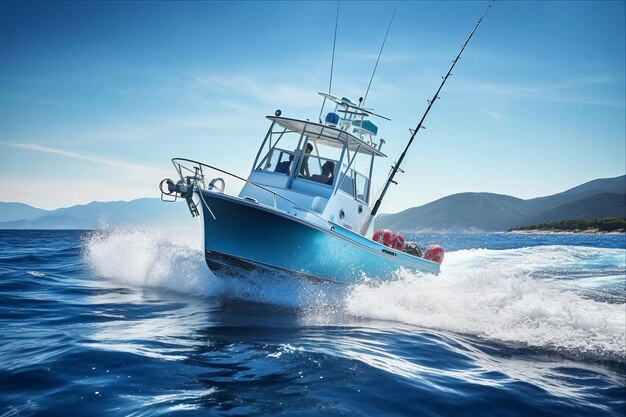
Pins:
x: 520, y: 295
x: 536, y: 297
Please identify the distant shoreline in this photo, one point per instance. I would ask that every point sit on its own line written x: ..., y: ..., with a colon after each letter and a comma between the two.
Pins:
x: 578, y: 232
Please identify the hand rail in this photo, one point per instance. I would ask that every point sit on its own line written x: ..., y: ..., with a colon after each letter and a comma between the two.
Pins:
x: 179, y: 168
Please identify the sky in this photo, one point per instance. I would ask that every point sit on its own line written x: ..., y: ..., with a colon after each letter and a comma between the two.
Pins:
x: 97, y: 97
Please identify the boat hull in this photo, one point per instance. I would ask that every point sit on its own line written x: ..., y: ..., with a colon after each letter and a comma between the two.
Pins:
x: 241, y: 235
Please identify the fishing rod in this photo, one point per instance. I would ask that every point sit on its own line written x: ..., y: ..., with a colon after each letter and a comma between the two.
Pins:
x: 396, y: 167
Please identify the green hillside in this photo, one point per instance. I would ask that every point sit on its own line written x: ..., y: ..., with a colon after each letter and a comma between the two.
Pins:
x: 604, y: 225
x: 600, y: 198
x: 597, y: 206
x: 460, y: 212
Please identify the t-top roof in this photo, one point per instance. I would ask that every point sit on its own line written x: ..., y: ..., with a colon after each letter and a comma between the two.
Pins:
x: 329, y: 136
x: 344, y: 102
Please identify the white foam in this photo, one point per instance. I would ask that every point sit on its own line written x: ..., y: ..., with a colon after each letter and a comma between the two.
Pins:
x: 494, y: 294
x: 519, y: 295
x: 147, y: 258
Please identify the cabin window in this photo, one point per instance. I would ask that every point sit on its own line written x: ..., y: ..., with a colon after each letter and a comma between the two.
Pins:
x: 362, y: 188
x: 355, y: 183
x: 321, y: 164
x: 277, y: 160
x: 347, y: 183
x: 362, y: 166
x: 280, y: 152
x: 318, y: 169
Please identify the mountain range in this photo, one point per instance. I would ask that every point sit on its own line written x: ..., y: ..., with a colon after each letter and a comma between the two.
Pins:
x: 599, y: 198
x: 95, y: 215
x: 458, y: 212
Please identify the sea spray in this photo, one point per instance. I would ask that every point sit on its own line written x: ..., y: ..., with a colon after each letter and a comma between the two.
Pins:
x: 148, y: 258
x: 535, y: 297
x: 504, y: 296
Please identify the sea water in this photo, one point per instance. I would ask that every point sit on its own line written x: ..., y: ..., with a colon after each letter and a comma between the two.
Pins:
x: 132, y: 322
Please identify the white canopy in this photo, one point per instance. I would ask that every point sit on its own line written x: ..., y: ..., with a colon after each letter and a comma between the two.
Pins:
x: 329, y: 136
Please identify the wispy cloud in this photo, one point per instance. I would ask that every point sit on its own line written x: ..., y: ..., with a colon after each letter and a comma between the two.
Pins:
x: 494, y: 115
x: 390, y: 57
x: 265, y: 92
x: 562, y: 91
x: 540, y: 88
x: 126, y: 166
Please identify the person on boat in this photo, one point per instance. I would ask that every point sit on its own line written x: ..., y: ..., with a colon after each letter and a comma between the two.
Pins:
x: 326, y: 177
x: 304, y: 169
x: 283, y: 167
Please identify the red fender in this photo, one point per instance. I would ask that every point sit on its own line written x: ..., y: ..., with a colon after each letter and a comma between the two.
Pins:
x: 389, y: 238
x: 434, y: 253
x: 397, y: 242
x: 378, y: 235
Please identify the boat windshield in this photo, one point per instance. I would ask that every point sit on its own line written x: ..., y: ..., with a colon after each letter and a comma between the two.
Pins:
x: 280, y: 154
x: 277, y: 160
x: 319, y: 162
x: 318, y: 169
x: 305, y: 156
x: 311, y: 153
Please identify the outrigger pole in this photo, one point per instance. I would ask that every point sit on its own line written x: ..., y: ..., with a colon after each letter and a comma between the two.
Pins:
x: 378, y: 59
x: 395, y: 168
x: 332, y: 62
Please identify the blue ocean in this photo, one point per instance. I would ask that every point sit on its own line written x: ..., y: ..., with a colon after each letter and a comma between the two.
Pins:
x: 132, y: 323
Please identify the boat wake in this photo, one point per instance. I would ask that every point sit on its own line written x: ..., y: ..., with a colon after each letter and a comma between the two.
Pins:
x: 510, y: 296
x: 562, y: 298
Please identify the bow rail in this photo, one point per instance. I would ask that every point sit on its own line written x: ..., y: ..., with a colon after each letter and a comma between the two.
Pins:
x: 194, y: 176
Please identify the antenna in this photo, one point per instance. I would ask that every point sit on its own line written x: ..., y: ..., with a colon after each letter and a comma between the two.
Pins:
x: 332, y: 62
x: 379, y: 54
x: 396, y: 167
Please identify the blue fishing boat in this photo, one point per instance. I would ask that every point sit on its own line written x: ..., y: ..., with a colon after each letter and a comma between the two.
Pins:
x: 307, y: 206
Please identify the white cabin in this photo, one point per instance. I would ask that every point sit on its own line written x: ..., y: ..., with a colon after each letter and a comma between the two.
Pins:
x: 323, y: 167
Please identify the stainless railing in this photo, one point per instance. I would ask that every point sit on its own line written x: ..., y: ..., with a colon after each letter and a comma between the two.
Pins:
x: 195, y: 174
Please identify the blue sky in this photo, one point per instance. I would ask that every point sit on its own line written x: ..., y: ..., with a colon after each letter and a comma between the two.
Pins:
x: 96, y: 98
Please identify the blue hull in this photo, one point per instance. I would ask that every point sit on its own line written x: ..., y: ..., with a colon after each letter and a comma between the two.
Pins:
x: 245, y: 235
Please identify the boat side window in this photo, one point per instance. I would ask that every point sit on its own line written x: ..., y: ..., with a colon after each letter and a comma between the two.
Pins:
x: 362, y: 188
x: 362, y: 166
x: 347, y: 183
